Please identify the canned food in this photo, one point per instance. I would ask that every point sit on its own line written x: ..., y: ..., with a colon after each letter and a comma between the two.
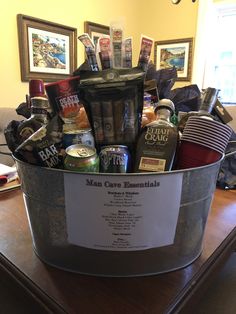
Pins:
x: 79, y: 136
x: 114, y: 159
x: 81, y: 158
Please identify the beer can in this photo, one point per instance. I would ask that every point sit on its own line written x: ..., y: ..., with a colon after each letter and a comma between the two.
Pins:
x: 79, y: 136
x: 81, y: 158
x: 114, y: 159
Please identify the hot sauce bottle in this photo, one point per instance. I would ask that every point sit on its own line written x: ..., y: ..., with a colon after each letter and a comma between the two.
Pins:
x: 156, y: 145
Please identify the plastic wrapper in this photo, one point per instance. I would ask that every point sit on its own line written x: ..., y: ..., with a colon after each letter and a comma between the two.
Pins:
x: 127, y: 52
x: 227, y: 174
x: 116, y: 36
x: 104, y: 52
x: 113, y: 100
x: 24, y: 110
x: 90, y: 51
x: 145, y: 52
x: 10, y: 133
x: 165, y: 79
x: 43, y: 148
x: 148, y: 115
x: 187, y: 98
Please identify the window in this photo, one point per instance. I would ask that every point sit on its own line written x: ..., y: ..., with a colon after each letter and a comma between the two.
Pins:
x: 220, y: 67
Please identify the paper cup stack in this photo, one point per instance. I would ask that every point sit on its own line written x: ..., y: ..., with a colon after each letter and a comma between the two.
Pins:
x: 203, y: 141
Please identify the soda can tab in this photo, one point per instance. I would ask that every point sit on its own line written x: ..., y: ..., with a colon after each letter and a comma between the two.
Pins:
x: 114, y: 159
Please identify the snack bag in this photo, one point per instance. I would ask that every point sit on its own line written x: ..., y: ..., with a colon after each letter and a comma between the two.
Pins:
x: 44, y: 146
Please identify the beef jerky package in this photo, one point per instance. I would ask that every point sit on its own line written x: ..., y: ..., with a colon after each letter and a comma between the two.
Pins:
x: 113, y: 100
x: 43, y: 148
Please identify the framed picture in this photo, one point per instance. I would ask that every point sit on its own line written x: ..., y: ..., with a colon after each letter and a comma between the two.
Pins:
x: 176, y: 52
x: 96, y: 30
x: 48, y: 51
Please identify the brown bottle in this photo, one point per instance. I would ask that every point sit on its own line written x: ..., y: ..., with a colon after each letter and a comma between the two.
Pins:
x: 207, y: 104
x: 39, y: 106
x: 38, y: 118
x: 157, y: 142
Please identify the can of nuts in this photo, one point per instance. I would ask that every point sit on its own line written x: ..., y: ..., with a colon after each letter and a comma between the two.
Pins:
x: 79, y: 136
x: 114, y: 159
x: 81, y: 158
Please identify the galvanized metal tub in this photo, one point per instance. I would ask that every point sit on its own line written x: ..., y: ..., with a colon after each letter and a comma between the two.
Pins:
x: 44, y: 192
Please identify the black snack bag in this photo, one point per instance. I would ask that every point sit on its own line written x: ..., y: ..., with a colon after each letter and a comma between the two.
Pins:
x: 23, y: 110
x: 44, y: 146
x: 165, y: 79
x: 113, y: 100
x: 227, y: 174
x: 187, y: 98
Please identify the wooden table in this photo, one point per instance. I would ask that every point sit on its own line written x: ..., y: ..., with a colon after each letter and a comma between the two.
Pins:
x: 58, y: 291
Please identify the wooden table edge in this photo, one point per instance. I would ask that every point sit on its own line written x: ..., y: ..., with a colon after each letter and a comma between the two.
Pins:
x: 196, y: 287
x: 29, y: 287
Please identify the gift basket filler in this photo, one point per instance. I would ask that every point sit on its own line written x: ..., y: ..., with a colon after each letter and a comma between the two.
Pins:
x: 112, y: 185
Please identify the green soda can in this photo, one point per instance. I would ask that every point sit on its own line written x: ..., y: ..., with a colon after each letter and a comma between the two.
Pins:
x: 81, y: 158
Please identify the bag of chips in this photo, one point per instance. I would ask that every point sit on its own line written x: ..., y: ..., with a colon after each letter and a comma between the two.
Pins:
x: 43, y: 148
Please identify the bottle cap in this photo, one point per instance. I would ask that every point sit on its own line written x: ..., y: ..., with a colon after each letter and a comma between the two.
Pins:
x: 36, y: 88
x: 165, y: 103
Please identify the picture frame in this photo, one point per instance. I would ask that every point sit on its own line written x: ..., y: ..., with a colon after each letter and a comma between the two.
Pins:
x: 175, y: 52
x: 95, y: 30
x: 47, y: 50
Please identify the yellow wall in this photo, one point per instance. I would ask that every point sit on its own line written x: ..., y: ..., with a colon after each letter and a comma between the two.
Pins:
x: 160, y: 20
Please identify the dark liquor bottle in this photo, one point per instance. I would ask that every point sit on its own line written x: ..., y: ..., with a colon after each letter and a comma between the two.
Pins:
x: 208, y: 102
x: 156, y: 145
x: 39, y: 108
x: 38, y: 118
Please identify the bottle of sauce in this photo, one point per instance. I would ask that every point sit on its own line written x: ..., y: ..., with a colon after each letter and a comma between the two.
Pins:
x: 156, y: 145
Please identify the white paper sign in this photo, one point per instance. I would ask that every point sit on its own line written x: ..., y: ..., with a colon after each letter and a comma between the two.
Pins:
x: 122, y: 213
